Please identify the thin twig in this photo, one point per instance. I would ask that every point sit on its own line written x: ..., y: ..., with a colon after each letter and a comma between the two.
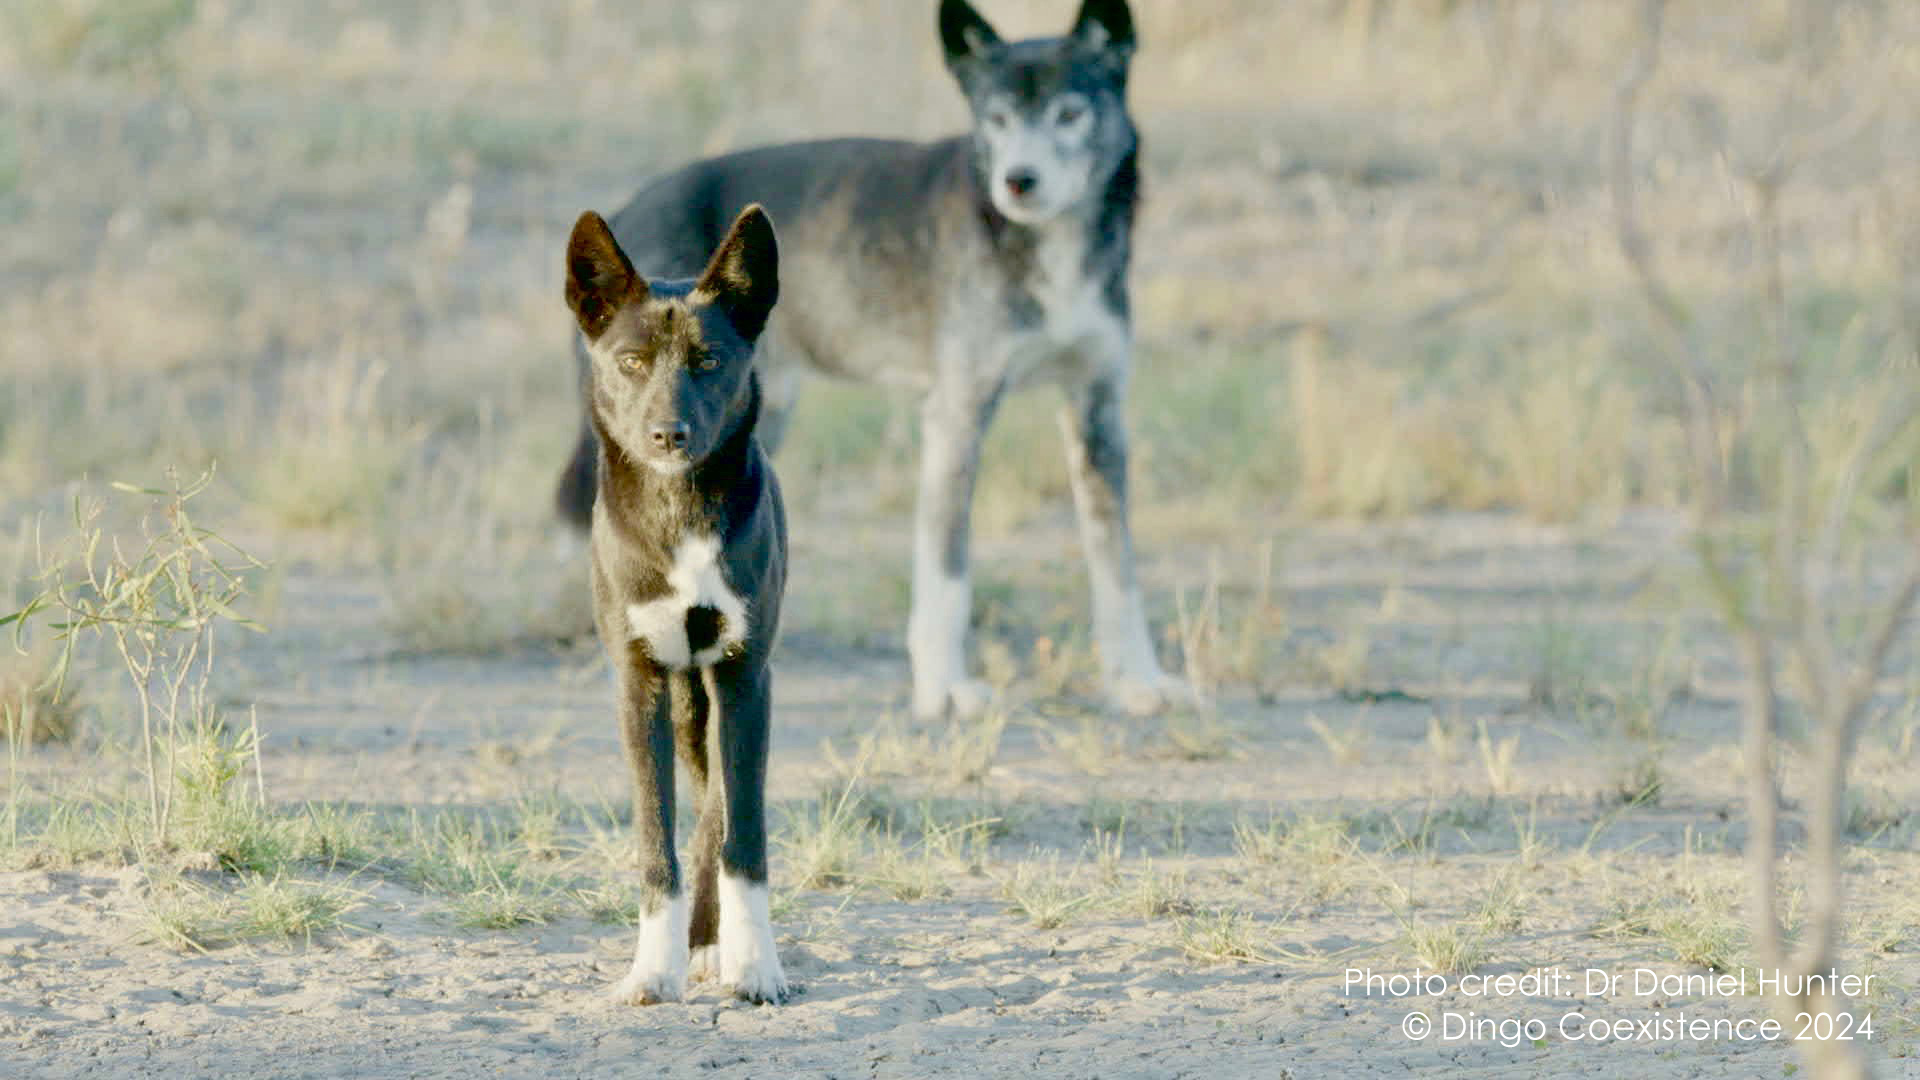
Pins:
x: 1669, y: 316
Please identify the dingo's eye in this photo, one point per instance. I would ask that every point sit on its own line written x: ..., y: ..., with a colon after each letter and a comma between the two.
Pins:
x: 998, y: 119
x: 701, y: 360
x: 1070, y: 113
x: 632, y: 361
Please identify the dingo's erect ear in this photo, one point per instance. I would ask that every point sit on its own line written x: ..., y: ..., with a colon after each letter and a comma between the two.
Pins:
x: 743, y: 279
x: 1106, y: 26
x: 600, y: 279
x: 966, y: 37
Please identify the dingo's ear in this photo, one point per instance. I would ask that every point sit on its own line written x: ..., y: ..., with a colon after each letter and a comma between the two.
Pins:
x: 743, y: 279
x: 1106, y: 26
x: 600, y: 280
x: 966, y: 37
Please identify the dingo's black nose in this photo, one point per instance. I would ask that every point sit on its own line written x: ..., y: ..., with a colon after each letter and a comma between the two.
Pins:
x: 669, y: 436
x: 1021, y: 181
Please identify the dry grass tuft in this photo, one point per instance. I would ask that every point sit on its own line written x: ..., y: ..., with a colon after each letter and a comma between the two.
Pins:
x: 1226, y: 936
x: 1045, y: 895
x: 1693, y: 920
x: 196, y: 918
x: 961, y: 754
x: 1449, y: 949
x: 824, y: 839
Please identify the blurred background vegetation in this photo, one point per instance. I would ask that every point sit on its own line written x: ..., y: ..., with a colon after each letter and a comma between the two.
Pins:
x: 318, y: 244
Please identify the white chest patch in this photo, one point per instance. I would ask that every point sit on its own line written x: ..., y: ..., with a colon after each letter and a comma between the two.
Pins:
x: 1075, y: 319
x: 693, y: 582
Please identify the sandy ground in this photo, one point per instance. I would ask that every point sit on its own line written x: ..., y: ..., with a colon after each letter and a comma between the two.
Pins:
x: 957, y: 984
x: 900, y: 990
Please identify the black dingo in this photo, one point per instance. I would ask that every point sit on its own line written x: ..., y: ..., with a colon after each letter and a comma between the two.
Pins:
x: 689, y: 547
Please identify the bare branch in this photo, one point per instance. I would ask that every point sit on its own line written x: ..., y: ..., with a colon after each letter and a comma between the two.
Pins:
x: 1774, y: 610
x: 1814, y: 656
x: 1880, y: 641
x: 1669, y: 317
x: 1889, y: 425
x: 1760, y: 712
x: 1667, y: 311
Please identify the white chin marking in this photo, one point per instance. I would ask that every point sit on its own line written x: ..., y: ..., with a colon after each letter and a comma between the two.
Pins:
x: 694, y: 580
x: 659, y: 957
x: 668, y: 468
x: 1025, y: 213
x: 749, y: 965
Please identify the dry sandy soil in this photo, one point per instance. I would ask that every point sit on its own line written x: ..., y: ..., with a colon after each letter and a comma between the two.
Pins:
x: 956, y: 983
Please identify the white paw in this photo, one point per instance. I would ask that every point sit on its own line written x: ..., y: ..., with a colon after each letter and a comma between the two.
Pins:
x: 1150, y: 693
x: 761, y: 982
x: 964, y: 699
x: 650, y: 987
x: 970, y: 698
x: 748, y: 961
x: 659, y: 971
